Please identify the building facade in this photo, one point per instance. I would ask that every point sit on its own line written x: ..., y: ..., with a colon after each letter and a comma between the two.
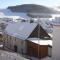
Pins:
x: 17, y: 39
x: 56, y: 42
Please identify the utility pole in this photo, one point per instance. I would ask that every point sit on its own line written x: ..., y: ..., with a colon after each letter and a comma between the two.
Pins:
x: 38, y: 38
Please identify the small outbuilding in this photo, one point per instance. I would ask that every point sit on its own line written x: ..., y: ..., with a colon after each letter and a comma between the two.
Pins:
x: 39, y: 48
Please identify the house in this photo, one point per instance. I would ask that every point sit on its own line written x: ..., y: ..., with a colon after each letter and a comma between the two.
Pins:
x: 17, y: 35
x: 39, y: 47
x: 56, y: 42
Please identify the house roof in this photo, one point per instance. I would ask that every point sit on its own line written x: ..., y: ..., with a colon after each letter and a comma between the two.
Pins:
x: 20, y: 30
x: 56, y: 24
x: 40, y: 41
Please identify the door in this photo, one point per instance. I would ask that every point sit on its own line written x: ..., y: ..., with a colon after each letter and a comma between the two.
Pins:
x: 15, y: 48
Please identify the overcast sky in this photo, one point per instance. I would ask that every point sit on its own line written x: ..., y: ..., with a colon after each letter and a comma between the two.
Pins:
x: 49, y: 3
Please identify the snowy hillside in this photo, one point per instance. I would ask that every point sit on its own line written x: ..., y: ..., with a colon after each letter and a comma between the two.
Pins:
x: 45, y: 23
x: 8, y: 12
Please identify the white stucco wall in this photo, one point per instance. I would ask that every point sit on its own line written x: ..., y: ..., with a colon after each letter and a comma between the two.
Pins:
x: 11, y: 41
x: 56, y: 43
x: 50, y: 51
x: 21, y: 44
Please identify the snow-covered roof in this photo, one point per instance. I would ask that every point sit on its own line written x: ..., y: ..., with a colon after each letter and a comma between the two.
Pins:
x: 50, y: 35
x: 56, y: 25
x: 40, y: 41
x: 20, y: 30
x: 56, y: 21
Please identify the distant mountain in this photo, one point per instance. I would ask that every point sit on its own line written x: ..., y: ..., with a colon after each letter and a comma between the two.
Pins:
x: 32, y: 8
x: 8, y: 12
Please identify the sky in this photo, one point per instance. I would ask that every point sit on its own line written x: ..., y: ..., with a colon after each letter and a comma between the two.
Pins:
x: 49, y: 3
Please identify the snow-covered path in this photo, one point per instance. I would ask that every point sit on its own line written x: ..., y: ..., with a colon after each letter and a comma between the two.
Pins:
x: 4, y: 55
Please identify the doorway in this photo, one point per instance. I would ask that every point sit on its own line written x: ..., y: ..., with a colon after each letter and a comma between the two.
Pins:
x: 15, y: 48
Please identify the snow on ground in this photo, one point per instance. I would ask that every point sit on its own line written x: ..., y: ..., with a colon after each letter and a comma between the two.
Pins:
x: 47, y: 58
x: 4, y: 55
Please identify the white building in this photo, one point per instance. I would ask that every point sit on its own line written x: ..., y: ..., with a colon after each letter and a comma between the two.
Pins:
x: 56, y: 42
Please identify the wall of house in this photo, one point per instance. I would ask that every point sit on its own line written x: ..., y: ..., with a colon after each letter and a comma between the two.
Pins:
x: 21, y: 44
x: 49, y: 50
x: 36, y: 50
x: 10, y: 41
x: 56, y: 43
x: 7, y: 41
